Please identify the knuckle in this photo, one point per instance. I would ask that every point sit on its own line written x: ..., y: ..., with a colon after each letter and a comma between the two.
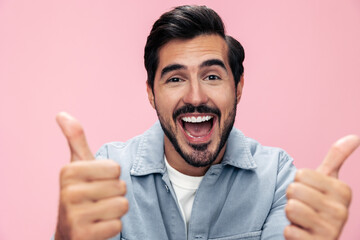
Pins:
x: 112, y: 228
x: 65, y: 195
x: 298, y: 175
x: 77, y: 132
x: 342, y: 190
x: 287, y: 232
x: 290, y: 233
x: 123, y: 187
x: 83, y: 215
x: 301, y: 174
x: 72, y: 194
x: 118, y: 187
x: 340, y: 212
x: 125, y: 204
x: 116, y: 227
x: 292, y: 189
x: 344, y: 214
x: 117, y: 184
x: 66, y: 172
x: 122, y: 204
x: 337, y: 185
x: 70, y: 171
x: 117, y: 169
x: 113, y: 167
x: 345, y: 192
x: 289, y: 208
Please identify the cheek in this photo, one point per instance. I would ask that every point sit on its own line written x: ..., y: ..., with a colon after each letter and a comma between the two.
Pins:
x: 166, y: 103
x: 225, y: 100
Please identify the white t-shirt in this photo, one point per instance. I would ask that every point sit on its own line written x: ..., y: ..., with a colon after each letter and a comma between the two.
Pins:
x: 185, y: 188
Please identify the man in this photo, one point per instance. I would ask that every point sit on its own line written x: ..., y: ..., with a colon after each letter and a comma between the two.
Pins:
x: 192, y: 175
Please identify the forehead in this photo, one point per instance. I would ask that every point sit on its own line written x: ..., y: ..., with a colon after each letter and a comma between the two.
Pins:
x: 192, y: 52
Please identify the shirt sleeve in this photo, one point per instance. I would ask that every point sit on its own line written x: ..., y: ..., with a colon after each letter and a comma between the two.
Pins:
x: 276, y: 221
x: 102, y: 153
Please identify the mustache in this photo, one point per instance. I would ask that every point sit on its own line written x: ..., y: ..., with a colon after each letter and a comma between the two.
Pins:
x: 189, y: 108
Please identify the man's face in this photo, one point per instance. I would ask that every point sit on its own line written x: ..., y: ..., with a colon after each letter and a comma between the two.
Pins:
x: 195, y: 97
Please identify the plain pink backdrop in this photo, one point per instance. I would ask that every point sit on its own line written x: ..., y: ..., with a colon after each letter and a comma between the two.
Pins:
x: 302, y: 87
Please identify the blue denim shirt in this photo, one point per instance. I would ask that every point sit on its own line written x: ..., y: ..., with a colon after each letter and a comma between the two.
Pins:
x: 243, y: 197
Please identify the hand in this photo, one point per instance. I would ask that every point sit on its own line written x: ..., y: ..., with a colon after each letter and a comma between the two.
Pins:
x: 317, y: 201
x: 91, y: 194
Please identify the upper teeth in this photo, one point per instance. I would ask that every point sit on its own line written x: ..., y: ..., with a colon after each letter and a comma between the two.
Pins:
x: 196, y: 119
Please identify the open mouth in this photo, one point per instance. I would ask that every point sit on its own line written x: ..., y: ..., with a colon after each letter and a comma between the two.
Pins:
x: 197, y: 128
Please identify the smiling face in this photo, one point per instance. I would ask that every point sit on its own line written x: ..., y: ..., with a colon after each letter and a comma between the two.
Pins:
x: 195, y: 99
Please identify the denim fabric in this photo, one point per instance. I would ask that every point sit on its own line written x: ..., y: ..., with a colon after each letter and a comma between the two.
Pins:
x: 243, y: 197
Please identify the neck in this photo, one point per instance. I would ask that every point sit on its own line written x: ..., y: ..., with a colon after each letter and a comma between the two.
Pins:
x: 176, y: 161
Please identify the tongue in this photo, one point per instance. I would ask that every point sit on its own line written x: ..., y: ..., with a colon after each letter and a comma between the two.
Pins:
x: 198, y: 129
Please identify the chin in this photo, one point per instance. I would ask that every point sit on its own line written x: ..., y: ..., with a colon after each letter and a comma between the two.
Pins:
x: 198, y: 155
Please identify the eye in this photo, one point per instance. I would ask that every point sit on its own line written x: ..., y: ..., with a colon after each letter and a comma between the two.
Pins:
x: 174, y: 79
x: 212, y: 77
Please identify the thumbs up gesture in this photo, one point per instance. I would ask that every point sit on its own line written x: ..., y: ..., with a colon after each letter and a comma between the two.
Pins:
x: 91, y: 195
x: 318, y: 202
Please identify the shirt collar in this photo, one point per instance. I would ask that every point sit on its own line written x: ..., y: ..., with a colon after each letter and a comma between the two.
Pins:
x: 149, y: 157
x: 237, y: 151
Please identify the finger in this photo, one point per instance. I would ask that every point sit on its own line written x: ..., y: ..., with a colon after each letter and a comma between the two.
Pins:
x: 338, y: 154
x: 300, y: 214
x: 293, y: 232
x: 106, y: 209
x: 331, y: 187
x: 75, y: 136
x: 89, y: 171
x: 111, y: 208
x: 308, y: 195
x: 106, y: 229
x: 96, y: 190
x: 327, y: 208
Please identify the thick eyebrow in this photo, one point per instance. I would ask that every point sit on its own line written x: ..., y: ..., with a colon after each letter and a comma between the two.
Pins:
x: 171, y: 67
x: 207, y: 63
x: 212, y: 62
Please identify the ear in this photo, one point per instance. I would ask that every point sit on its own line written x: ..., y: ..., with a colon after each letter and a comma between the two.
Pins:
x: 240, y: 88
x: 150, y: 95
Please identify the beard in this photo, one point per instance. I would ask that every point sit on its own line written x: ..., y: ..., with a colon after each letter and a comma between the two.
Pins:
x: 200, y: 156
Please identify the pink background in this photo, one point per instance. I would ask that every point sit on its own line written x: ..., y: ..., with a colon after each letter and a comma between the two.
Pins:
x: 301, y: 92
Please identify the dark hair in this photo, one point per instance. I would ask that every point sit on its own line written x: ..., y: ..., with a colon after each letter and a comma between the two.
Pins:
x: 187, y: 22
x: 236, y: 57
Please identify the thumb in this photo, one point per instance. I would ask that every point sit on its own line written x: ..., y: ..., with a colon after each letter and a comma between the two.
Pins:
x: 75, y: 137
x: 337, y: 155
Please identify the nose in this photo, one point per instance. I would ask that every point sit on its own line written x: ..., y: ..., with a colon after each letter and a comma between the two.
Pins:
x: 195, y: 93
